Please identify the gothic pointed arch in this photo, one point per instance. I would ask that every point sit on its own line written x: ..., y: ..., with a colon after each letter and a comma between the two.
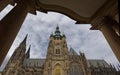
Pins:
x: 57, y: 69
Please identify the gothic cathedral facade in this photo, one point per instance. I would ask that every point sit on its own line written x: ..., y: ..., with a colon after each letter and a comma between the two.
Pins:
x: 59, y: 61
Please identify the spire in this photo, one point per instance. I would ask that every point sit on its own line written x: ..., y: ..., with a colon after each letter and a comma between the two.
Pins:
x: 51, y: 35
x: 28, y: 53
x: 81, y: 53
x: 20, y: 50
x: 57, y: 32
x: 25, y: 38
x: 64, y: 35
x: 23, y: 43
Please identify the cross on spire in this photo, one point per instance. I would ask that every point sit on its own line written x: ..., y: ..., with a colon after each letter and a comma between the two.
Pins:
x: 57, y: 31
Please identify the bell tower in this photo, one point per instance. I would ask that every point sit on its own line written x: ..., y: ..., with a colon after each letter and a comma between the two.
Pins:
x: 57, y: 55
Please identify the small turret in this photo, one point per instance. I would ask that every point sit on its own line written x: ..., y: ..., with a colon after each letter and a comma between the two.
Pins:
x: 82, y: 54
x: 63, y: 35
x: 51, y: 35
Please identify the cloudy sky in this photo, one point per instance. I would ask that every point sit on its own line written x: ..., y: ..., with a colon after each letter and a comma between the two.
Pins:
x: 78, y: 36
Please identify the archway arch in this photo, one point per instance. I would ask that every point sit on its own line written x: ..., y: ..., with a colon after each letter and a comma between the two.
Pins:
x: 57, y: 69
x: 24, y: 10
x: 36, y: 20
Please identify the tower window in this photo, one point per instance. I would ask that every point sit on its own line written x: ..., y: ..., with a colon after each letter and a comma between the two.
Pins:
x: 57, y: 51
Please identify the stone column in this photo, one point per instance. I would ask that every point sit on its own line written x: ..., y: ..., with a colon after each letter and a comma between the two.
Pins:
x: 9, y: 27
x: 110, y: 21
x: 112, y: 38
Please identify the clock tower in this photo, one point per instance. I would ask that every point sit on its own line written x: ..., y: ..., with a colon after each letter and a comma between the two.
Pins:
x: 57, y: 55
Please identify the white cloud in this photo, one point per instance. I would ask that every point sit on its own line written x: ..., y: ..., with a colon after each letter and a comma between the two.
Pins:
x: 39, y: 28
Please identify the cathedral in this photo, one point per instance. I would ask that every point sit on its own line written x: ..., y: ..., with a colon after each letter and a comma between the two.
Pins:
x: 59, y: 61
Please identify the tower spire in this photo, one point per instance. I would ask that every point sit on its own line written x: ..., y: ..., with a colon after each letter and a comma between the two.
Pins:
x: 57, y: 34
x: 25, y: 38
x: 20, y: 50
x: 23, y: 43
x: 57, y: 31
x: 28, y: 53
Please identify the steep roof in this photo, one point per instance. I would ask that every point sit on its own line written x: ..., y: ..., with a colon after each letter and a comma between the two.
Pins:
x: 33, y: 62
x: 97, y: 63
x: 72, y: 52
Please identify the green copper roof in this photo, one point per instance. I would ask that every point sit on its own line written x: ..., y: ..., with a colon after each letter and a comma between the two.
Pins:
x: 57, y: 32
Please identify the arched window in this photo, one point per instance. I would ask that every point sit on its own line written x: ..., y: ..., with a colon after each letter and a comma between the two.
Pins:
x: 57, y: 51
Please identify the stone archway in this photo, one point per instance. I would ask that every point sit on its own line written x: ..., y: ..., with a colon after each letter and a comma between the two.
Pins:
x: 57, y: 69
x: 11, y: 23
